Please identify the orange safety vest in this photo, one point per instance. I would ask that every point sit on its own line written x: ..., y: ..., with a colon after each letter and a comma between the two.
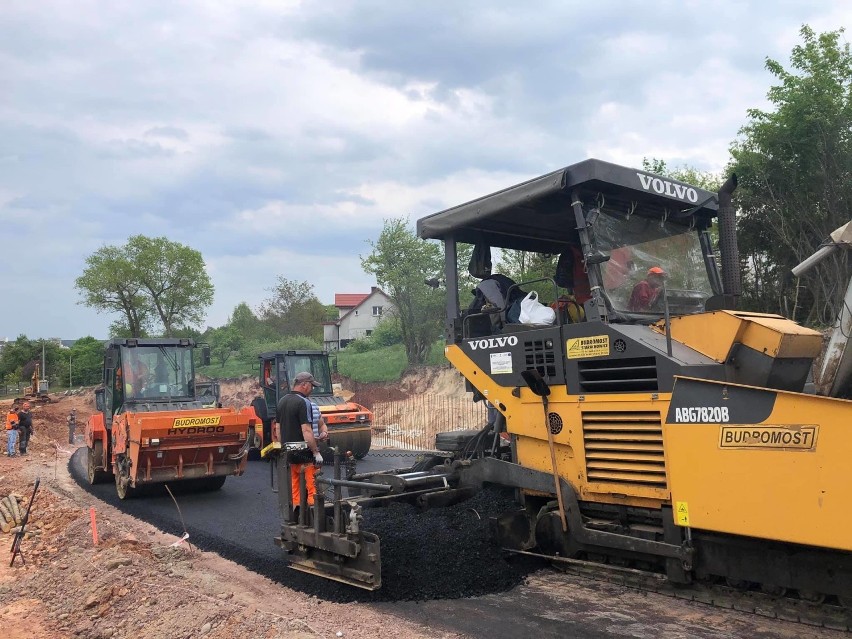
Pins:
x: 11, y: 417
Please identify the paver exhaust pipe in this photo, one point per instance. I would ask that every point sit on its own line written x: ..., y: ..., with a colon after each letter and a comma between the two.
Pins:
x: 731, y: 275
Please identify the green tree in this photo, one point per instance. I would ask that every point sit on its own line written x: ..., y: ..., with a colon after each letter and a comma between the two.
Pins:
x: 85, y: 360
x: 20, y: 358
x: 148, y: 281
x: 794, y: 165
x: 246, y: 323
x: 332, y: 314
x: 293, y: 309
x: 224, y: 342
x: 524, y: 266
x: 401, y: 263
x: 705, y: 179
x: 174, y: 279
x: 109, y: 283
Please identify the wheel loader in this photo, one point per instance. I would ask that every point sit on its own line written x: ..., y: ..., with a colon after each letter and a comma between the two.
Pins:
x: 674, y: 435
x: 151, y: 426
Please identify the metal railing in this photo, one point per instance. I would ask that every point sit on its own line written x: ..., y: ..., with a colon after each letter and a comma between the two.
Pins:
x: 413, y: 423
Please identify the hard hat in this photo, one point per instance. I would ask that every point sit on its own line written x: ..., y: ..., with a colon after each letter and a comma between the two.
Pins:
x: 656, y: 270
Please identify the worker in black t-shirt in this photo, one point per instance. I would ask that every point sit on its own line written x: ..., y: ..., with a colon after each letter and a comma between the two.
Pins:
x: 296, y: 426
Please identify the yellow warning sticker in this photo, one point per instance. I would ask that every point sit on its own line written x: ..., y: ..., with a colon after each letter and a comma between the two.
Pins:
x: 189, y: 422
x: 682, y: 513
x: 595, y: 346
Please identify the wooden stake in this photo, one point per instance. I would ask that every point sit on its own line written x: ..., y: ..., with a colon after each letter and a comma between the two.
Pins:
x: 94, y: 525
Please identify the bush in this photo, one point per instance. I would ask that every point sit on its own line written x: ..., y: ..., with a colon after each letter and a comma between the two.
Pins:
x: 387, y: 333
x: 363, y: 345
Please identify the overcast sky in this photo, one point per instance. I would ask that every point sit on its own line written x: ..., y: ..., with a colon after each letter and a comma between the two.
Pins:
x: 275, y: 137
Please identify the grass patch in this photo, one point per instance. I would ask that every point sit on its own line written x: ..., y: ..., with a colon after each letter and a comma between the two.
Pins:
x: 385, y: 364
x: 381, y: 365
x: 234, y: 367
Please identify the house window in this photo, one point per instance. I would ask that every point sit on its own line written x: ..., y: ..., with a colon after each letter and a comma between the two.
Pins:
x: 369, y: 332
x: 377, y: 311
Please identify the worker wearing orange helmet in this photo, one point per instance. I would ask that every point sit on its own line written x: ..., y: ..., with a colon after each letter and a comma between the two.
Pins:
x: 646, y: 292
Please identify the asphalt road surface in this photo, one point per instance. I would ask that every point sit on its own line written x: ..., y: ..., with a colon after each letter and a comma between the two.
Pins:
x: 438, y: 569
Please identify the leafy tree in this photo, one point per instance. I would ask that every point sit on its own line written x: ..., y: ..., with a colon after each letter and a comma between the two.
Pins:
x: 524, y: 266
x: 20, y: 358
x: 224, y: 342
x: 401, y: 263
x: 246, y: 323
x: 794, y: 165
x: 293, y: 309
x: 85, y: 359
x: 174, y: 280
x: 332, y: 314
x: 109, y: 283
x: 149, y: 281
x: 705, y: 179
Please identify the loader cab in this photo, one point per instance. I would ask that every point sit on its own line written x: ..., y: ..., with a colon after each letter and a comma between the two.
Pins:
x: 145, y: 371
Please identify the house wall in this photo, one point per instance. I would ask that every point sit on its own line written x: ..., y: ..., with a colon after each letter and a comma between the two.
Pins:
x: 356, y: 324
x: 331, y: 337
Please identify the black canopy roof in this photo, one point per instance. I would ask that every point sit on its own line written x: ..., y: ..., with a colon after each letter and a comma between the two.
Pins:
x: 536, y: 215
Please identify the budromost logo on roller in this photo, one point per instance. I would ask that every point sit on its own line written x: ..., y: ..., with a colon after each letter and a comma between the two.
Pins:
x: 196, y: 425
x: 493, y: 342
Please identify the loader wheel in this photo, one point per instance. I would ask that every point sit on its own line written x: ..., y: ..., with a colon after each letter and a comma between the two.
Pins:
x: 94, y: 475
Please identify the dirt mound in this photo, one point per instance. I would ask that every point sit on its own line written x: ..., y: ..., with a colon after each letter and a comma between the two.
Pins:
x: 436, y: 380
x: 239, y: 391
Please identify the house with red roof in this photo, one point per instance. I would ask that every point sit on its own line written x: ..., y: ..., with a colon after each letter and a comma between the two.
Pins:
x: 359, y: 314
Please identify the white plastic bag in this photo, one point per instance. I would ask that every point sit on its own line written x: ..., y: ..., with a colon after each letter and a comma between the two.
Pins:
x: 534, y: 312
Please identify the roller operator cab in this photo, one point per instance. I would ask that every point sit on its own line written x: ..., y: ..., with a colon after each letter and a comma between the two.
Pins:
x: 349, y: 423
x: 660, y: 425
x: 152, y: 426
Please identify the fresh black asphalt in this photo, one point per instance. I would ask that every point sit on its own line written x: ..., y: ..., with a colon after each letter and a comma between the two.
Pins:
x: 439, y: 554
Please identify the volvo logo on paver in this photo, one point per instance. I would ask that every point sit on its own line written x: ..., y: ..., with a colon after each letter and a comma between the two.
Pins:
x: 664, y: 187
x: 493, y: 342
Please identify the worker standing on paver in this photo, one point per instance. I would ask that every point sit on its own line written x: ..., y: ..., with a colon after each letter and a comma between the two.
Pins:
x: 72, y: 425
